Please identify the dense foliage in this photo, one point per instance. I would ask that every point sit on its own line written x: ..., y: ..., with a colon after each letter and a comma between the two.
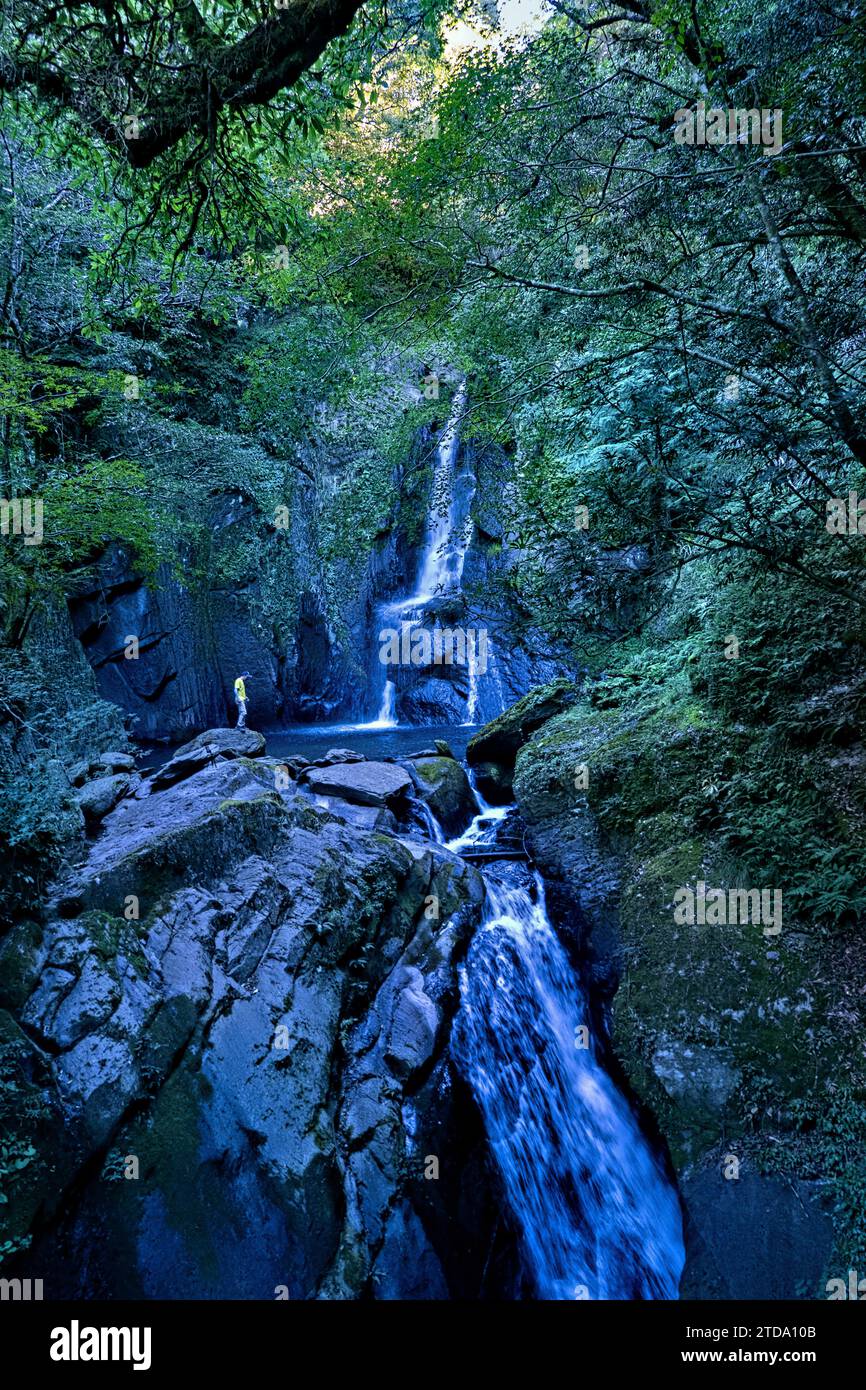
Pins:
x: 667, y: 337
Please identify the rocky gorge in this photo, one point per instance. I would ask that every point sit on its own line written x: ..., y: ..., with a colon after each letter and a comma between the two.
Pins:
x: 242, y: 1037
x: 432, y: 655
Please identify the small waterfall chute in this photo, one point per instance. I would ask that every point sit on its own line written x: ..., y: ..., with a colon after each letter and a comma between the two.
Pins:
x: 597, y: 1216
x: 387, y: 716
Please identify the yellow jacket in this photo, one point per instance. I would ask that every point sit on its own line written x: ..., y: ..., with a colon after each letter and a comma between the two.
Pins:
x: 240, y: 689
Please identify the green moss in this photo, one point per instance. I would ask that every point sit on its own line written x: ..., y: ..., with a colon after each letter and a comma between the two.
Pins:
x: 18, y: 964
x: 765, y: 1019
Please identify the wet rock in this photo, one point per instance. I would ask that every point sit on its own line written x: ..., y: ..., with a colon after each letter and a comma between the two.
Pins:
x: 216, y: 745
x: 443, y: 784
x: 294, y: 765
x: 196, y: 643
x: 361, y: 817
x: 413, y: 1025
x: 494, y: 782
x: 97, y: 798
x: 436, y: 699
x: 500, y: 740
x: 254, y: 1035
x: 338, y: 755
x: 365, y: 784
x: 406, y: 1268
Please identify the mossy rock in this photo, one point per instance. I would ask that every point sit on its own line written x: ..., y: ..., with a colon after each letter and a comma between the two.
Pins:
x: 500, y: 740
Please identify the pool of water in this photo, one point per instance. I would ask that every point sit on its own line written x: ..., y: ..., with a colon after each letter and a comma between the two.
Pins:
x: 313, y: 740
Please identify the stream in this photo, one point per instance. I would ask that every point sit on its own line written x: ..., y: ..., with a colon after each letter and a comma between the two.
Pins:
x: 596, y: 1215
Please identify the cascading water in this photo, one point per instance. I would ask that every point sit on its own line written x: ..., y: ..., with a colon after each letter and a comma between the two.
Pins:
x: 440, y: 573
x: 597, y: 1216
x: 445, y: 546
x: 387, y: 716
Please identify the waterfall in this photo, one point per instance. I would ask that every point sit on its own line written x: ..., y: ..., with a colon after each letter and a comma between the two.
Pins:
x: 429, y: 821
x: 441, y: 570
x: 447, y: 537
x: 387, y: 716
x: 472, y: 697
x: 597, y: 1216
x: 482, y: 828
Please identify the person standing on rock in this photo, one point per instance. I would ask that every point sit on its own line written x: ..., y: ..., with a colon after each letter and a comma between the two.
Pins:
x: 241, y: 699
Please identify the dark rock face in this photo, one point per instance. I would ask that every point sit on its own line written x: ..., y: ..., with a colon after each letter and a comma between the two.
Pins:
x: 494, y: 783
x: 756, y: 1238
x: 317, y: 660
x: 237, y: 1044
x: 686, y: 1011
x: 495, y: 747
x: 191, y: 646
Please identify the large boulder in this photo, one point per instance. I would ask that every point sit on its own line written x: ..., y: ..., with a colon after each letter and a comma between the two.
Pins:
x: 496, y: 745
x: 215, y: 745
x: 365, y: 784
x: 436, y: 699
x: 443, y: 784
x: 114, y: 761
x: 97, y: 798
x: 251, y: 999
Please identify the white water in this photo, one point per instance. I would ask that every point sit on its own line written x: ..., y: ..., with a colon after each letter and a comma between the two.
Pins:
x: 445, y: 544
x: 472, y: 697
x: 387, y: 716
x: 447, y: 538
x: 434, y: 829
x: 441, y: 570
x: 597, y: 1217
x: 482, y: 828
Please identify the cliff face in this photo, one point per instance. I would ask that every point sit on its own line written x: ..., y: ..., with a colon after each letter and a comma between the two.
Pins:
x: 738, y: 1041
x: 251, y: 596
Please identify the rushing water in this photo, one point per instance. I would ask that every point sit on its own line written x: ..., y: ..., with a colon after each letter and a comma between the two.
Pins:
x: 597, y: 1216
x: 440, y: 573
x: 387, y: 716
x: 446, y: 543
